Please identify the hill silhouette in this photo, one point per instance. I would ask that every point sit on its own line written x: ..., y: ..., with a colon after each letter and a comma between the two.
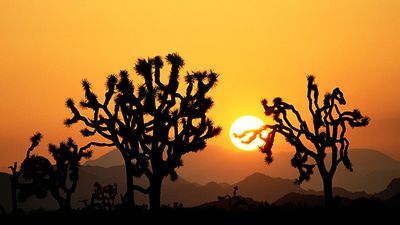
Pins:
x: 256, y: 187
x: 265, y: 188
x: 390, y: 196
x: 391, y: 190
x: 110, y: 159
x: 373, y: 170
x: 301, y: 200
x: 243, y: 204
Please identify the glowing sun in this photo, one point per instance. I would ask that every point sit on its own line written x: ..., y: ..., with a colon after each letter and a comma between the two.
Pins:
x: 242, y: 124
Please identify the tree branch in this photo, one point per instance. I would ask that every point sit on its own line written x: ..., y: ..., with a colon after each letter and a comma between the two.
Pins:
x: 141, y: 189
x: 98, y: 144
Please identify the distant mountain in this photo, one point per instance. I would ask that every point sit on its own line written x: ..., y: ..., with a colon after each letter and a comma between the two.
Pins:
x: 391, y: 190
x: 260, y: 187
x: 390, y: 195
x: 236, y: 164
x: 373, y: 170
x: 257, y: 186
x: 300, y: 199
x: 338, y: 191
x: 110, y: 159
x: 237, y: 203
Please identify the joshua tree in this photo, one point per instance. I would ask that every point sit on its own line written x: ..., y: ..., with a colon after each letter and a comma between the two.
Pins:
x: 154, y: 125
x: 326, y: 135
x: 39, y: 176
x: 14, y: 178
x: 67, y: 157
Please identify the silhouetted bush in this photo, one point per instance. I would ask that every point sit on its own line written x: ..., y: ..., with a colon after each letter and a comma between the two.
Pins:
x: 102, y: 198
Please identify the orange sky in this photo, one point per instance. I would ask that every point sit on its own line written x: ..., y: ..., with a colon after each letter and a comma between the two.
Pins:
x: 260, y: 48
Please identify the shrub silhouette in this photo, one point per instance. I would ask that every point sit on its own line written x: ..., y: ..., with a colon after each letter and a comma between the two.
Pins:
x: 229, y: 197
x: 235, y: 200
x: 329, y: 126
x: 102, y: 198
x: 154, y: 125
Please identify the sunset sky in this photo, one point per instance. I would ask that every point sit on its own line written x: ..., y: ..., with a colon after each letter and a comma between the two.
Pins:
x: 260, y: 48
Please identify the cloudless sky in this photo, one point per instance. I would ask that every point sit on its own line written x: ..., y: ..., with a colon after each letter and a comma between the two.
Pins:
x: 261, y: 49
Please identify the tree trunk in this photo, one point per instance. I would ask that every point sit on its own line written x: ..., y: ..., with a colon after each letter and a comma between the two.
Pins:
x: 67, y: 204
x: 60, y: 200
x: 71, y: 190
x: 328, y: 191
x: 61, y: 204
x: 129, y: 197
x: 155, y: 193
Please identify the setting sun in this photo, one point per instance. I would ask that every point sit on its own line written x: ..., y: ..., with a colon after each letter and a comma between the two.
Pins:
x: 242, y: 124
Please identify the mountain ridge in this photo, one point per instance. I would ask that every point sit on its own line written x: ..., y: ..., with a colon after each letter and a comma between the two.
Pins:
x: 372, y: 168
x: 257, y: 186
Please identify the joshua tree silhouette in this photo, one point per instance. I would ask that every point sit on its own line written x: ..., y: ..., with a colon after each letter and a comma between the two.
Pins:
x: 39, y: 176
x: 153, y: 126
x: 67, y: 157
x: 327, y: 134
x: 16, y: 173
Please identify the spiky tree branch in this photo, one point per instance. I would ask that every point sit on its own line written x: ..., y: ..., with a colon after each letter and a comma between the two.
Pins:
x: 329, y: 129
x: 154, y: 124
x: 16, y: 173
x: 67, y: 156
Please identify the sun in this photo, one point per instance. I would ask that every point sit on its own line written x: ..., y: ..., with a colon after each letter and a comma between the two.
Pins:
x: 242, y: 124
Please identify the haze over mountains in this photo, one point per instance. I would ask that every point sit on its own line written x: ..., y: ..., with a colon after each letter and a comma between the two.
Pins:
x: 257, y: 187
x: 197, y: 184
x: 373, y: 170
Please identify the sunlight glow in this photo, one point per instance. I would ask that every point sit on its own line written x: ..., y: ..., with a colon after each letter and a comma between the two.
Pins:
x: 242, y: 124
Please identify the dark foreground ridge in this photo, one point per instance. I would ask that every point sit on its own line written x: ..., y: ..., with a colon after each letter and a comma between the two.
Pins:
x: 250, y: 212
